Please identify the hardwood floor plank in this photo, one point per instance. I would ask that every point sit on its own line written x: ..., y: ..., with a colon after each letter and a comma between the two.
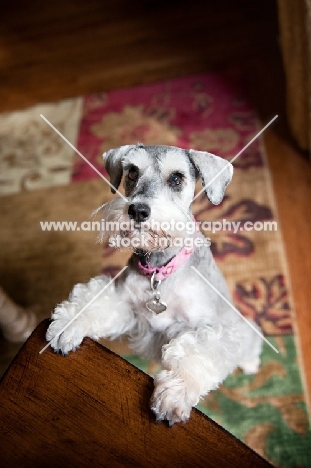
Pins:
x: 66, y: 48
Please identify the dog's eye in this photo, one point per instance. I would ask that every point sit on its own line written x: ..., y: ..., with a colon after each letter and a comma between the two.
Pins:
x: 133, y: 174
x: 175, y: 179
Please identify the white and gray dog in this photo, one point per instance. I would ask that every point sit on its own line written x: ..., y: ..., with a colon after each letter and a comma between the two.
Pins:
x: 162, y: 304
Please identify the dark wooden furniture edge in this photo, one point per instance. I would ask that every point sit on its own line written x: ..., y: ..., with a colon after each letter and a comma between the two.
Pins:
x: 91, y: 408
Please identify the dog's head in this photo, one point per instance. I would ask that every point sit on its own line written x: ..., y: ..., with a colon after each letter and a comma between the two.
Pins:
x: 159, y: 183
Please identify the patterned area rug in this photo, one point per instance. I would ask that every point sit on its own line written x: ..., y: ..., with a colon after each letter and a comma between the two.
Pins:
x: 208, y: 112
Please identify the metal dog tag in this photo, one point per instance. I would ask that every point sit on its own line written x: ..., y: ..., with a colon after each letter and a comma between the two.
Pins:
x: 155, y: 305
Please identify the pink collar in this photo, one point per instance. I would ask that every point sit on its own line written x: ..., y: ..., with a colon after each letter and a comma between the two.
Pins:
x: 163, y: 272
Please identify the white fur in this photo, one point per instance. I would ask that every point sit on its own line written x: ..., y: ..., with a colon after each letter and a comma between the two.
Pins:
x: 140, y: 159
x: 199, y: 339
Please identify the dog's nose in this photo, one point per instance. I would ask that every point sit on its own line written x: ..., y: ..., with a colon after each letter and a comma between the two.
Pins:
x: 139, y: 212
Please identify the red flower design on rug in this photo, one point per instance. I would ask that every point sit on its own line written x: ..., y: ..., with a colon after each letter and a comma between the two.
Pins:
x: 196, y: 112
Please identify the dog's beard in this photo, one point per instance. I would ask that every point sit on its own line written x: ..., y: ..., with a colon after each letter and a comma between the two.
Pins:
x: 148, y: 240
x: 125, y: 233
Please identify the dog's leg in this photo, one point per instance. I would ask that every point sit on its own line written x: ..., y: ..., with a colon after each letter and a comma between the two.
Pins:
x: 194, y: 363
x: 250, y: 359
x: 107, y: 316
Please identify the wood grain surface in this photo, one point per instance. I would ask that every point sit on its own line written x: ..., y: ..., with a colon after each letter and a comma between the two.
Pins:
x: 91, y: 408
x: 68, y: 48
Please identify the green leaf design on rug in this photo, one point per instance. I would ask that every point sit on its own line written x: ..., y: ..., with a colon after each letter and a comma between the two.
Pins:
x: 267, y: 410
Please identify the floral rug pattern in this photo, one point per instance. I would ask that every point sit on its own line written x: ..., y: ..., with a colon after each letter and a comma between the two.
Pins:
x: 32, y: 155
x: 208, y: 112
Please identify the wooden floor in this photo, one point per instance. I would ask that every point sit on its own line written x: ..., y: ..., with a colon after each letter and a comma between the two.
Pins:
x: 59, y: 49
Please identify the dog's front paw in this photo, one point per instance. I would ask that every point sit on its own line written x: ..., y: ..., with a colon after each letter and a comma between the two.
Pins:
x: 65, y: 336
x: 169, y: 400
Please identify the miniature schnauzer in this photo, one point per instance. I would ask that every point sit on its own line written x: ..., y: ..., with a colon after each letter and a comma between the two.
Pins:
x: 168, y: 312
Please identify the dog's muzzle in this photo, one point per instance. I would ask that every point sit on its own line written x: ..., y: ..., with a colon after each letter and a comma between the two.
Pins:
x: 139, y: 212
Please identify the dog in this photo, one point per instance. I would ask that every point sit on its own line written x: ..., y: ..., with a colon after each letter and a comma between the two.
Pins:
x: 161, y: 301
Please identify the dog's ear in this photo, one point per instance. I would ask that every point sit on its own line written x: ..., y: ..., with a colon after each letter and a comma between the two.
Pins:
x: 216, y: 173
x: 113, y: 164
